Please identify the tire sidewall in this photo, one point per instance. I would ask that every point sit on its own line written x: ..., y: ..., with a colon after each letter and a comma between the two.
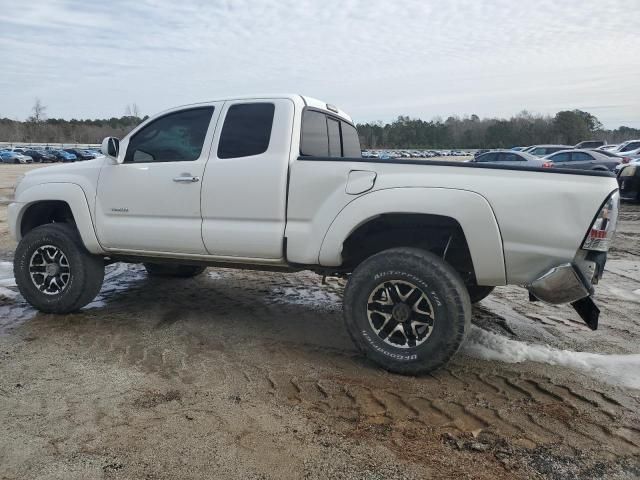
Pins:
x: 64, y: 241
x: 449, y: 324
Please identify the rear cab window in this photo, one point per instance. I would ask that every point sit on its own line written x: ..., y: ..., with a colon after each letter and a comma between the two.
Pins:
x: 326, y: 136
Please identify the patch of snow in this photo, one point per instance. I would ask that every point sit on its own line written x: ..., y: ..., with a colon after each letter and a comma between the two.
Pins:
x: 631, y: 296
x: 214, y: 275
x: 6, y: 275
x: 6, y: 293
x: 6, y: 270
x: 617, y: 369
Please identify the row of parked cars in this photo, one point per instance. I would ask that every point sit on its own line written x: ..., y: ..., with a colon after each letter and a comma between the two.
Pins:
x: 46, y: 154
x: 622, y: 159
x: 385, y: 154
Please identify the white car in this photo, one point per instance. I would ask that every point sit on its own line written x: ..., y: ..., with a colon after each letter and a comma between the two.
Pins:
x: 627, y: 147
x: 278, y: 183
x: 22, y: 158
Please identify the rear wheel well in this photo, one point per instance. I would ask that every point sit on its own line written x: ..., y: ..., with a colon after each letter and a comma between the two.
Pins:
x: 41, y: 213
x: 440, y: 235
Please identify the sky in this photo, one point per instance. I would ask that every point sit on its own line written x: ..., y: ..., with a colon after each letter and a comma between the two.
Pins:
x: 374, y: 59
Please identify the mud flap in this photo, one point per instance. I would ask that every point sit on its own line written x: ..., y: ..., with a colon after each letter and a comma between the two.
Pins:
x: 588, y: 311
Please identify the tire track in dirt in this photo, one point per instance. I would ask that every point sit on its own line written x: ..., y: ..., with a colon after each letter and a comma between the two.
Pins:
x: 243, y: 348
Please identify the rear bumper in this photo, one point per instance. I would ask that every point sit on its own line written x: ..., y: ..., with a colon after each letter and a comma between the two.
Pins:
x: 561, y: 284
x: 565, y: 283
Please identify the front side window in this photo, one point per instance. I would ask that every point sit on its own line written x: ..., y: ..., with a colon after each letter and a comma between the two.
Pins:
x: 176, y: 137
x: 247, y: 130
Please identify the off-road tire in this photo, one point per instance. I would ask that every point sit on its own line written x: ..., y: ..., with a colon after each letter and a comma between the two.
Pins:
x: 170, y: 270
x: 86, y: 270
x: 443, y: 288
x: 478, y: 292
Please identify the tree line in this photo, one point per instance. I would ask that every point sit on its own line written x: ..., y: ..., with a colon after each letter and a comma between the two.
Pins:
x: 40, y: 129
x: 566, y: 128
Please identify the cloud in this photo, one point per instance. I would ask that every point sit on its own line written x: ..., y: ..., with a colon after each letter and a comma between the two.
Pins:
x: 376, y: 59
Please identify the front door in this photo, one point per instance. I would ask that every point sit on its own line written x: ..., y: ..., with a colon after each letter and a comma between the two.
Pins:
x: 151, y: 201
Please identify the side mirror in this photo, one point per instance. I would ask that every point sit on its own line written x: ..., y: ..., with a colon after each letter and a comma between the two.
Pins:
x: 110, y: 147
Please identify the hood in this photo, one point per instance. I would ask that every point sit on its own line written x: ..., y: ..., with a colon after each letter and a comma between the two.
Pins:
x: 83, y: 173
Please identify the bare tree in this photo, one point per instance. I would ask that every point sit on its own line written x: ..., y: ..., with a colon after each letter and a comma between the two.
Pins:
x: 132, y: 110
x: 39, y: 112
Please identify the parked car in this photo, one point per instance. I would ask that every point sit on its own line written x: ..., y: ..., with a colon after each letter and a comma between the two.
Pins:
x: 63, y: 155
x: 629, y: 182
x: 609, y: 148
x: 80, y: 154
x: 544, y: 150
x: 42, y: 156
x: 511, y: 157
x: 628, y: 146
x: 590, y: 144
x: 582, y: 160
x: 15, y: 157
x: 8, y: 156
x: 630, y: 153
x: 407, y: 302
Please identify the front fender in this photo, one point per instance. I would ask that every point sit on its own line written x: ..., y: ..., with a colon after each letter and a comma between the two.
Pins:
x: 70, y: 193
x: 469, y: 209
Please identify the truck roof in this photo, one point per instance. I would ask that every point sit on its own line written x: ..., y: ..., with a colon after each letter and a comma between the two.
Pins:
x: 296, y: 98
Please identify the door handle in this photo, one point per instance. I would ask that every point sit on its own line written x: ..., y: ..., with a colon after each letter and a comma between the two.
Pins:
x: 186, y: 179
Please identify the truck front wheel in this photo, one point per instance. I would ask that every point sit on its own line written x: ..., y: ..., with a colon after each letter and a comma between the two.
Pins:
x: 54, y: 271
x: 170, y: 270
x: 407, y: 310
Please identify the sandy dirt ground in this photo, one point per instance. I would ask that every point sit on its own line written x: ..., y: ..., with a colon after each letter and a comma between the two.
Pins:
x: 238, y: 374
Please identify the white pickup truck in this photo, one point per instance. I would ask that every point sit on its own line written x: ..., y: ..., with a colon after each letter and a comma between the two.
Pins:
x: 278, y: 182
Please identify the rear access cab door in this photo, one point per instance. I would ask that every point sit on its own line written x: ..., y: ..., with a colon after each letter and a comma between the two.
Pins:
x: 244, y: 190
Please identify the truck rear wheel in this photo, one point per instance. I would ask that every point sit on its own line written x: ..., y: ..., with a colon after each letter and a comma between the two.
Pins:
x: 407, y: 310
x: 170, y: 270
x: 54, y: 271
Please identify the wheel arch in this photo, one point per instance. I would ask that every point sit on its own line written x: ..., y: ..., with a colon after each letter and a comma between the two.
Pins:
x: 434, y: 209
x: 52, y: 203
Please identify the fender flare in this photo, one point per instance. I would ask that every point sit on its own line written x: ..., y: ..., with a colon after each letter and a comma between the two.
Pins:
x: 471, y: 210
x: 70, y: 193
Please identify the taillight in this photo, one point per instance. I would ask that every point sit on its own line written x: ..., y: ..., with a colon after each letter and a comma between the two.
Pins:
x: 626, y: 159
x: 603, y: 228
x: 547, y: 164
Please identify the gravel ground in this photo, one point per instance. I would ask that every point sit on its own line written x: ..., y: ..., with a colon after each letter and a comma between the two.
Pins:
x: 238, y: 374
